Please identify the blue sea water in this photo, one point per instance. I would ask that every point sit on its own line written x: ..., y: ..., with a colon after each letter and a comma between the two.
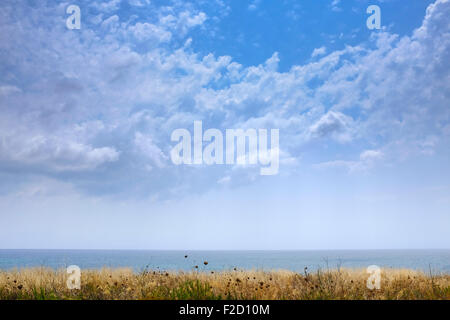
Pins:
x: 438, y: 261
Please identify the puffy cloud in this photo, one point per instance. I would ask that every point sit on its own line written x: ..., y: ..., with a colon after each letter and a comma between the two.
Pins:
x: 334, y: 124
x: 146, y: 145
x: 145, y: 31
x: 319, y: 52
x: 370, y: 155
x: 54, y: 153
x: 183, y: 21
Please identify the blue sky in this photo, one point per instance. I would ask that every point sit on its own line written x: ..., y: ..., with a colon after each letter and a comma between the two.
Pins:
x: 87, y: 115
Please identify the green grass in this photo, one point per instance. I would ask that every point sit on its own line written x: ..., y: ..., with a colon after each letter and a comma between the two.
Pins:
x: 109, y: 284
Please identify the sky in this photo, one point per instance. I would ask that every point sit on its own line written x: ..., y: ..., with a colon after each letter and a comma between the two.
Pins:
x: 87, y: 116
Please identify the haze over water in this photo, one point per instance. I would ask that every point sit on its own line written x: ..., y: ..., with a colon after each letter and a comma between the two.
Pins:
x: 426, y: 260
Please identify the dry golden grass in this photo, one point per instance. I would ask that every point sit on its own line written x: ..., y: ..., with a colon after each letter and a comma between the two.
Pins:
x: 42, y: 283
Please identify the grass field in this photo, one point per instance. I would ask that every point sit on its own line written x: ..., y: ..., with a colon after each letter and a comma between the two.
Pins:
x: 43, y: 283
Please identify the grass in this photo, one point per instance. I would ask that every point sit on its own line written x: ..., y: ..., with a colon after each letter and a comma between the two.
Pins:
x: 111, y: 284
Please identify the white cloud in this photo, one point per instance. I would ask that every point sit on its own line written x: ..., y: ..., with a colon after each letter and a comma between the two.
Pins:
x: 370, y: 155
x: 7, y: 90
x: 225, y: 180
x: 319, y: 52
x: 139, y: 3
x: 107, y: 6
x: 146, y: 145
x: 183, y: 22
x: 145, y: 31
x: 367, y: 160
x: 335, y: 5
x: 111, y: 24
x: 254, y: 5
x: 54, y: 153
x: 335, y: 124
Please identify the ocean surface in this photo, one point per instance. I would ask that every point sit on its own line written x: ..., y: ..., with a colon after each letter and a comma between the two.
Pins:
x: 438, y: 261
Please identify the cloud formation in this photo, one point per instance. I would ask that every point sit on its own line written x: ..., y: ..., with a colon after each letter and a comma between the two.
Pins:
x: 105, y: 98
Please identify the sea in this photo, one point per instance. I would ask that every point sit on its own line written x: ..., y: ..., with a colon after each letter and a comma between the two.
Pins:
x: 435, y: 261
